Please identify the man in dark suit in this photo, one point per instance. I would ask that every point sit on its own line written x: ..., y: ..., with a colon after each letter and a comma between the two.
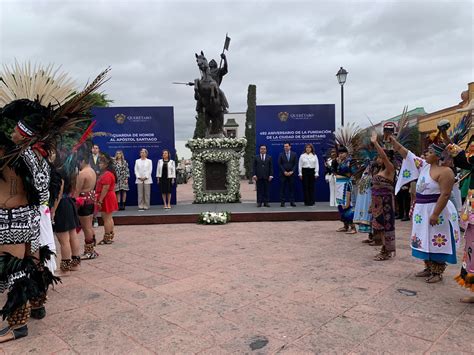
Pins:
x: 263, y: 174
x: 94, y: 159
x: 288, y: 164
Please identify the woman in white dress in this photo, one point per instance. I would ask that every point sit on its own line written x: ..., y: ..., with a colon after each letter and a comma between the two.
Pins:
x: 435, y: 228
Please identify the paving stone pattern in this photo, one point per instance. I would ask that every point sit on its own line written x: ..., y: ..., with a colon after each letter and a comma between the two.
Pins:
x: 263, y: 288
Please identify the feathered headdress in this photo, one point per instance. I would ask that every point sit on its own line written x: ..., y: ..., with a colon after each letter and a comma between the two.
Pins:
x: 45, y: 105
x: 348, y: 137
x: 461, y: 130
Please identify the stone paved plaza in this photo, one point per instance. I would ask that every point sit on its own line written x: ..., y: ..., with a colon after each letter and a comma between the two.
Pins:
x: 291, y: 288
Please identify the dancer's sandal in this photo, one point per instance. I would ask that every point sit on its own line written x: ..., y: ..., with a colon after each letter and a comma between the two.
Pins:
x: 424, y: 273
x: 467, y: 300
x: 9, y: 333
x: 107, y: 239
x: 342, y: 229
x: 384, y: 255
x: 435, y: 278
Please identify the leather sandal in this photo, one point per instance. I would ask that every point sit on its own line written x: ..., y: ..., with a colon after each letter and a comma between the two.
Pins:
x: 434, y: 279
x: 424, y: 273
x: 382, y: 256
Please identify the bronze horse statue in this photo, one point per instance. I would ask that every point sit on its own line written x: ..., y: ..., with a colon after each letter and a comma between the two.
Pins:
x: 208, y: 99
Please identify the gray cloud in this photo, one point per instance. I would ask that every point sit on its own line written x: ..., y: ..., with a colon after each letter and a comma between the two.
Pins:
x: 416, y: 53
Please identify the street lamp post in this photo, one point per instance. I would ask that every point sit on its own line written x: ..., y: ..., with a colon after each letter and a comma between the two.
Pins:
x: 341, y: 78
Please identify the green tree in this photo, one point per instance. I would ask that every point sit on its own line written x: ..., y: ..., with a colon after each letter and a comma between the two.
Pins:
x: 200, y: 129
x: 100, y: 100
x: 250, y: 121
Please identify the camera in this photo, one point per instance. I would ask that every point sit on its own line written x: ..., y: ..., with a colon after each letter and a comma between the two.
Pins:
x: 443, y: 125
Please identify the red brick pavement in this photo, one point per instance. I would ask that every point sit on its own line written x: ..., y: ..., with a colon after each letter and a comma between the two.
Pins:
x: 284, y: 287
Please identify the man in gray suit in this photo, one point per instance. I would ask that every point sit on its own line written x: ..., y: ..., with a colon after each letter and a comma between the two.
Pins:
x: 263, y: 174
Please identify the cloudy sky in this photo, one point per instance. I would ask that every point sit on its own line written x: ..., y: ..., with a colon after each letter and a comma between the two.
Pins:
x: 410, y: 52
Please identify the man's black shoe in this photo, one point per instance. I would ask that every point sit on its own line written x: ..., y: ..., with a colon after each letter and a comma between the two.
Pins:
x: 282, y: 204
x: 266, y: 205
x: 293, y: 204
x: 259, y: 205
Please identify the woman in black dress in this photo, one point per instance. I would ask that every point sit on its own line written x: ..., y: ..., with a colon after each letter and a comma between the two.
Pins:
x: 65, y: 223
x: 166, y: 173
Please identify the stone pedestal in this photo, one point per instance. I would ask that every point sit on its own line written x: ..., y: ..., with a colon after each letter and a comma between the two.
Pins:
x: 216, y: 169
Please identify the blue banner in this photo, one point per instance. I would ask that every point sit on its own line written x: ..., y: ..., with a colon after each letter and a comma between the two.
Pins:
x: 132, y: 128
x: 297, y: 125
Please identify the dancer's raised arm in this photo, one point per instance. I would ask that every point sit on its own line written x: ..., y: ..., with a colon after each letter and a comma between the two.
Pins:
x: 398, y: 147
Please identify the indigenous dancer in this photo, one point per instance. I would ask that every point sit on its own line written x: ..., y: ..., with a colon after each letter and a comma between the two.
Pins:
x: 330, y: 178
x: 362, y: 215
x: 344, y: 199
x: 85, y: 189
x: 66, y: 223
x: 435, y: 230
x: 24, y: 186
x: 465, y: 160
x: 44, y: 107
x: 383, y: 202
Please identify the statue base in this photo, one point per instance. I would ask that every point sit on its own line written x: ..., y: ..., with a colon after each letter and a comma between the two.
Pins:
x: 216, y: 169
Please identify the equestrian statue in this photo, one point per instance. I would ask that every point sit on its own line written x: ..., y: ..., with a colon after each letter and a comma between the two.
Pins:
x: 211, y: 101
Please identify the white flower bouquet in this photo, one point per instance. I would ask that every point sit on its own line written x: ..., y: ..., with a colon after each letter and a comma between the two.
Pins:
x: 214, y: 217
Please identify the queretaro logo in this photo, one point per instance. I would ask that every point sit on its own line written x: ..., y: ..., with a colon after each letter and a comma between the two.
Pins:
x: 283, y: 116
x: 120, y: 118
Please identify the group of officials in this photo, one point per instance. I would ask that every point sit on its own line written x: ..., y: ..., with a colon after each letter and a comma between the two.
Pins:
x: 289, y: 165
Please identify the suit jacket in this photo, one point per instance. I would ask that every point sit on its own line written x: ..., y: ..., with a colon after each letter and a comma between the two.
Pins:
x: 171, y: 169
x: 287, y: 165
x: 263, y: 169
x: 94, y: 166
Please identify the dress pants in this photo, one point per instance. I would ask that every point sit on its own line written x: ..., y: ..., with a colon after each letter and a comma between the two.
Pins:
x: 308, y: 186
x: 287, y: 183
x: 403, y: 199
x: 143, y: 196
x: 263, y: 190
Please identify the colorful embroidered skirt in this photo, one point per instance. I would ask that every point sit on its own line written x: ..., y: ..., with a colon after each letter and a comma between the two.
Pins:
x: 383, y: 217
x: 343, y: 186
x: 362, y: 215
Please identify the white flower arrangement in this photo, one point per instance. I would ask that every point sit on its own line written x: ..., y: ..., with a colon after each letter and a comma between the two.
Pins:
x: 214, y: 217
x: 221, y: 150
x: 206, y: 143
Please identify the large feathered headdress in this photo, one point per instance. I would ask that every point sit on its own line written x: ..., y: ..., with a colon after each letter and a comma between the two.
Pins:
x: 44, y: 103
x: 348, y: 137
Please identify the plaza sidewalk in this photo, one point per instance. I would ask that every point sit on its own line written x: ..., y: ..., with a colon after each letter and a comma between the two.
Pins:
x: 282, y: 287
